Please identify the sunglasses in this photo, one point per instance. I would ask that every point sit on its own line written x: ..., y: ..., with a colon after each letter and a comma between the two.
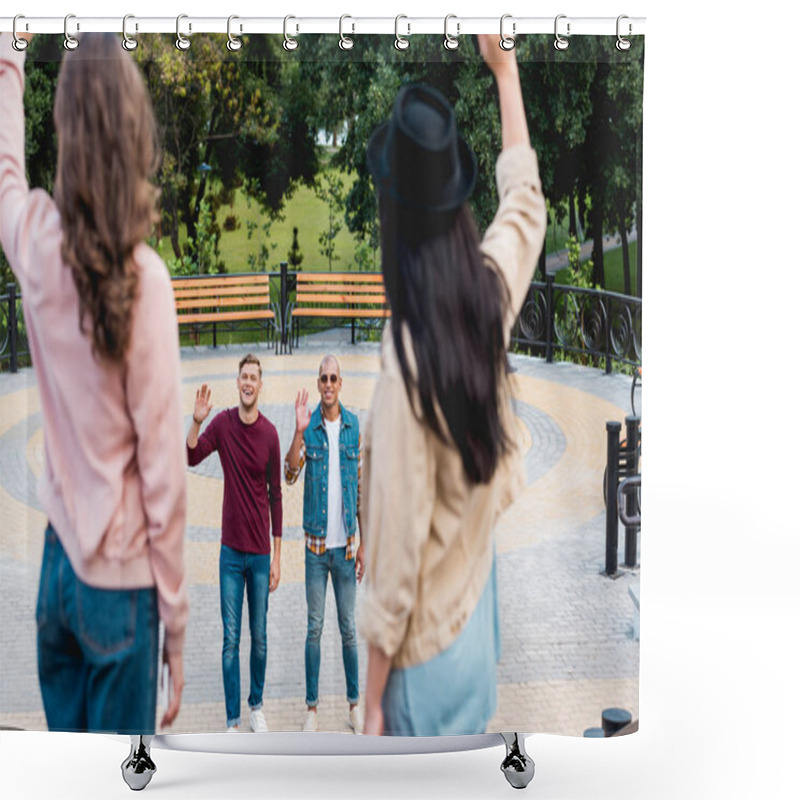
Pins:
x: 332, y: 378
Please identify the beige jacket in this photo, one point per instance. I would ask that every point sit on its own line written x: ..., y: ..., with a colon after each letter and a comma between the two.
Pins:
x: 428, y: 532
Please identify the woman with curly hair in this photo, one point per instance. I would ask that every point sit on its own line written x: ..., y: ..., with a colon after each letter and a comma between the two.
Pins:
x: 100, y: 319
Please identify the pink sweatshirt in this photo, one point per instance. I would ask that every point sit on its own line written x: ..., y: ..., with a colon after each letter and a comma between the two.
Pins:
x: 114, y: 482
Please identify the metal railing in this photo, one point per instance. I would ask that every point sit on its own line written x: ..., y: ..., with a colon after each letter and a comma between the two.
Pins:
x: 554, y: 317
x: 597, y: 324
x: 621, y: 485
x: 13, y: 336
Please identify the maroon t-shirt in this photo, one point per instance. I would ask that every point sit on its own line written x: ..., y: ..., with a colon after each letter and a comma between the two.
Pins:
x: 251, y: 465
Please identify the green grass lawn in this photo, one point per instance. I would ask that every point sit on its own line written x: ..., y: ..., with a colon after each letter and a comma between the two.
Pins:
x: 309, y: 214
x: 615, y: 281
x: 303, y: 210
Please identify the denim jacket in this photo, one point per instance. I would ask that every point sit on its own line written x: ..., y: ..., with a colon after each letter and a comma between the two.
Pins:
x: 315, y: 495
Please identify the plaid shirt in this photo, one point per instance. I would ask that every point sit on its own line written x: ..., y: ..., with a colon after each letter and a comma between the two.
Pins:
x: 316, y: 544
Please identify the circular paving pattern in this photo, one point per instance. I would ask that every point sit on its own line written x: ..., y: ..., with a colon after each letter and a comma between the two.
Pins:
x: 554, y: 634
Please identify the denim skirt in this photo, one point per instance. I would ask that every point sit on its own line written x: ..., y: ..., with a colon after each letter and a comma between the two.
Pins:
x: 455, y: 692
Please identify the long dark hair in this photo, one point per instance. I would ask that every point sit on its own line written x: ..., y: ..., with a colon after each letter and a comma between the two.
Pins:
x: 107, y: 154
x: 441, y: 290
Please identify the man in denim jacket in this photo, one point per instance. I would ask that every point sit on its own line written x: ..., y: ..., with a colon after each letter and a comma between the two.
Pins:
x: 331, y: 505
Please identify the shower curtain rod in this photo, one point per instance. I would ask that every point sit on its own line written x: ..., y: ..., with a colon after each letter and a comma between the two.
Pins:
x: 347, y: 25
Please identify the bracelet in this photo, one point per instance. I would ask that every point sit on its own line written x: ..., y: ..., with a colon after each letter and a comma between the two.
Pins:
x: 196, y: 421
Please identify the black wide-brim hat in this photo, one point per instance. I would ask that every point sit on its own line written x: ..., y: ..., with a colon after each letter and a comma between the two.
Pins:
x: 418, y: 157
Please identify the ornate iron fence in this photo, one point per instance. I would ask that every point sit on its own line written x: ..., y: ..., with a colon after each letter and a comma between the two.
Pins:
x: 13, y: 336
x: 597, y: 324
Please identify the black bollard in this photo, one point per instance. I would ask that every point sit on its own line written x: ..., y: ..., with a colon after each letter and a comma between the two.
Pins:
x: 615, y: 719
x: 612, y: 479
x: 631, y: 468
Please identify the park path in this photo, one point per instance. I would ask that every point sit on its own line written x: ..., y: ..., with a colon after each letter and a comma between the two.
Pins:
x: 559, y: 259
x: 569, y: 647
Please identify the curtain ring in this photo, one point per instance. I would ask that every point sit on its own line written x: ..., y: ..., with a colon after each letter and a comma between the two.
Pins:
x: 400, y: 42
x: 18, y: 43
x: 128, y: 43
x: 561, y: 43
x: 451, y: 42
x: 233, y: 44
x: 507, y: 42
x: 345, y: 42
x: 181, y: 42
x: 622, y: 43
x: 70, y: 42
x: 289, y: 44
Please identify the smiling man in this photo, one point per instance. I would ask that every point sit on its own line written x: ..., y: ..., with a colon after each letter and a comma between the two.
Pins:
x: 249, y: 452
x: 327, y: 442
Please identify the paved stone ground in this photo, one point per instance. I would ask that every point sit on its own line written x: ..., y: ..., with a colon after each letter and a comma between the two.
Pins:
x: 568, y: 644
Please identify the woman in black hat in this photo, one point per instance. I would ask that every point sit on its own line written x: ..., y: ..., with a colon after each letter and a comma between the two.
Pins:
x: 441, y: 460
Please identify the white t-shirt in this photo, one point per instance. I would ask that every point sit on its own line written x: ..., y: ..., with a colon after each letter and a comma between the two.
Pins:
x: 336, y: 535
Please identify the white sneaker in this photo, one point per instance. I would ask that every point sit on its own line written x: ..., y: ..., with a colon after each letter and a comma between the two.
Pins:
x: 257, y: 722
x: 310, y: 725
x: 232, y: 729
x: 356, y: 720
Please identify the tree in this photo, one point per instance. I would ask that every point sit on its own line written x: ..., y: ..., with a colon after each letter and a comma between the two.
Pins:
x: 242, y: 117
x: 294, y: 256
x: 330, y: 189
x: 611, y: 164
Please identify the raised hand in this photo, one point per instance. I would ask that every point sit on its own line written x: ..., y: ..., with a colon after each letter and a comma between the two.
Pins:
x: 503, y: 64
x: 302, y: 414
x: 497, y: 59
x: 202, y: 404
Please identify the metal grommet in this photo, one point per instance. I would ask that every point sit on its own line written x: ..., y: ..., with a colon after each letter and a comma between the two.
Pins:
x: 400, y: 42
x: 622, y: 43
x: 18, y: 43
x: 233, y: 44
x: 70, y: 42
x: 127, y: 42
x: 289, y: 44
x: 561, y: 43
x: 507, y: 42
x: 451, y: 42
x: 345, y: 42
x: 181, y: 42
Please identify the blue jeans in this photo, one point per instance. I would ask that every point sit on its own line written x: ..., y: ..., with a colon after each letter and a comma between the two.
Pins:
x: 238, y: 570
x: 343, y: 577
x: 97, y: 651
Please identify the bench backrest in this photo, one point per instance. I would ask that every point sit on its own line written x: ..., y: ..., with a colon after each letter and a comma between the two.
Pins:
x: 216, y: 291
x: 343, y: 289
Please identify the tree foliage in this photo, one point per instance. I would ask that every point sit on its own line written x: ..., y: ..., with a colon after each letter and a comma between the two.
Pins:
x: 253, y: 118
x: 243, y: 118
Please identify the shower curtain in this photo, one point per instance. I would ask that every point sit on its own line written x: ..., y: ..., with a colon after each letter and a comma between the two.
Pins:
x: 265, y: 180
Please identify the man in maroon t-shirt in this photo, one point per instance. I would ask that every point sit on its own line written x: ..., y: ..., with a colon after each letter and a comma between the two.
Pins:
x: 249, y: 452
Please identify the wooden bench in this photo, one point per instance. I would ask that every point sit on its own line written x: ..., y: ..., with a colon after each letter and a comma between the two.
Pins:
x: 230, y: 300
x: 337, y: 295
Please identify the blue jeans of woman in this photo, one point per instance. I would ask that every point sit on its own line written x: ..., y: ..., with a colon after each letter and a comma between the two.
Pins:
x: 238, y: 571
x: 97, y: 651
x: 343, y: 578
